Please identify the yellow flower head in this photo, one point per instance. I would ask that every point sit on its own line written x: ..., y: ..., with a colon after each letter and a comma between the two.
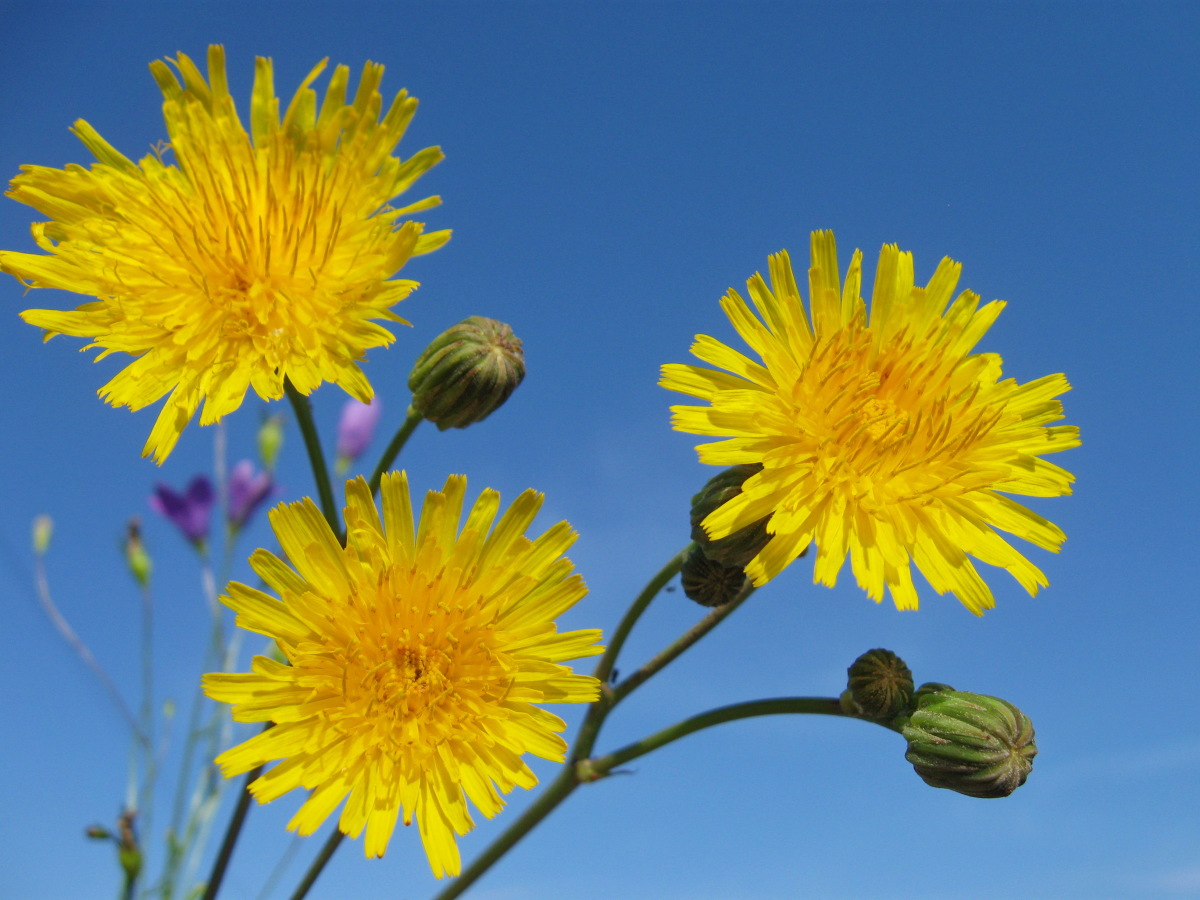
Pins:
x: 253, y: 258
x: 415, y: 658
x: 880, y: 433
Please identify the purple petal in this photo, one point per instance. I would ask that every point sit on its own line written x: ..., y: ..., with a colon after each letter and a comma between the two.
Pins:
x: 189, y: 511
x: 357, y: 427
x: 247, y: 491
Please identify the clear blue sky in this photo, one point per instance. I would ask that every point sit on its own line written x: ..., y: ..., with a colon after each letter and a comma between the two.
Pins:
x: 611, y: 169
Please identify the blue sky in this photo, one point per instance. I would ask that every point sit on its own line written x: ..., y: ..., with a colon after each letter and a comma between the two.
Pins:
x: 611, y: 169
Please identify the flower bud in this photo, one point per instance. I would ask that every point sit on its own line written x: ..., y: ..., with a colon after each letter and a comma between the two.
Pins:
x: 270, y: 440
x: 707, y: 581
x: 136, y: 556
x: 977, y: 745
x: 43, y: 528
x: 356, y: 428
x: 880, y: 684
x: 742, y: 546
x: 467, y: 373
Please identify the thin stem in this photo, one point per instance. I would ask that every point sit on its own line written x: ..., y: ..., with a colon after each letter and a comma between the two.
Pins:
x: 221, y: 863
x: 331, y: 844
x: 412, y: 419
x: 568, y: 779
x: 557, y: 791
x: 682, y: 643
x: 602, y: 766
x: 316, y: 458
x: 68, y: 634
x: 604, y: 668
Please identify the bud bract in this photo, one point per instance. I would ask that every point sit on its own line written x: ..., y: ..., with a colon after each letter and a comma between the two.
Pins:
x: 970, y: 743
x: 881, y: 684
x: 707, y: 581
x: 467, y: 373
x: 736, y: 549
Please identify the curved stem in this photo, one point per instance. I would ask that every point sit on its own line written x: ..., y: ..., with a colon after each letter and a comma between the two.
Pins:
x: 568, y: 779
x: 42, y: 588
x: 557, y: 791
x: 412, y: 419
x: 652, y: 589
x: 602, y: 766
x: 221, y: 863
x: 312, y: 443
x: 331, y: 844
x: 682, y: 643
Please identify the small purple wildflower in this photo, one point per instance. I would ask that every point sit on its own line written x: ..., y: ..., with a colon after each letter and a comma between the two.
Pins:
x: 189, y: 510
x: 355, y: 430
x: 247, y: 490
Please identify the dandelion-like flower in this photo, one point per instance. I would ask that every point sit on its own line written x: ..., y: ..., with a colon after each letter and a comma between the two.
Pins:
x: 415, y: 658
x: 254, y: 258
x: 881, y: 435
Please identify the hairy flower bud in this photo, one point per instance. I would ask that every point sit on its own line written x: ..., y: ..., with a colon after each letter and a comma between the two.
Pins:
x: 742, y: 546
x: 467, y: 373
x: 977, y: 745
x: 880, y: 684
x: 707, y: 581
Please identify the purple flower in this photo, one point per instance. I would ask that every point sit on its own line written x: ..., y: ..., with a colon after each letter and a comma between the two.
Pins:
x: 189, y: 510
x: 247, y: 490
x: 355, y: 429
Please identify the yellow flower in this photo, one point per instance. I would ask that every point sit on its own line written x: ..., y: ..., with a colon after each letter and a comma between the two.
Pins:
x: 881, y: 434
x: 415, y: 658
x: 254, y: 258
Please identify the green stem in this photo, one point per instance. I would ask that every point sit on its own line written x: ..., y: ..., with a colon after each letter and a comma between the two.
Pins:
x: 604, y: 668
x: 568, y: 779
x: 602, y: 766
x: 316, y: 458
x: 557, y: 791
x: 331, y: 844
x: 411, y: 420
x: 221, y: 863
x: 682, y: 643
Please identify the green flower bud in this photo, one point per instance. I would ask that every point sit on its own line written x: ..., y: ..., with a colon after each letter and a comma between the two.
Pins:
x: 708, y: 582
x: 136, y: 556
x: 742, y: 546
x: 880, y: 684
x: 467, y: 373
x: 270, y: 440
x: 43, y: 528
x: 977, y: 745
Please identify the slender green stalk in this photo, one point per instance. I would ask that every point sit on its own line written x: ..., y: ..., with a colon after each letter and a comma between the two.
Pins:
x: 221, y: 863
x: 316, y: 458
x: 682, y: 643
x: 652, y: 589
x: 331, y: 844
x: 568, y: 779
x: 555, y: 793
x: 412, y: 419
x: 602, y: 766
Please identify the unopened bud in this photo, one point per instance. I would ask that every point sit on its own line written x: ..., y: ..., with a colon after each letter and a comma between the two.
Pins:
x: 880, y: 684
x: 270, y: 440
x: 736, y: 549
x: 136, y: 556
x: 467, y: 373
x: 43, y: 528
x: 708, y: 582
x: 970, y: 743
x: 97, y: 833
